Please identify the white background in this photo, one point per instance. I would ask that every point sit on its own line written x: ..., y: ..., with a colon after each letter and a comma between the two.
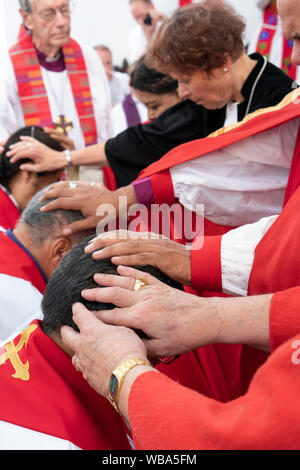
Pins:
x: 105, y: 21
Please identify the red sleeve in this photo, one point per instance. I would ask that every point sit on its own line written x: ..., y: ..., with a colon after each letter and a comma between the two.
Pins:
x: 162, y: 185
x: 284, y: 316
x: 167, y: 416
x: 109, y: 178
x: 206, y: 264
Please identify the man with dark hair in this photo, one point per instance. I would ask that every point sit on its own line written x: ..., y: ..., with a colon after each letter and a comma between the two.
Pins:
x: 28, y: 256
x: 58, y: 410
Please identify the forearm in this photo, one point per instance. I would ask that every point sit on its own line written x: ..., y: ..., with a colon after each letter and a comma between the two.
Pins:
x: 244, y: 320
x: 93, y: 155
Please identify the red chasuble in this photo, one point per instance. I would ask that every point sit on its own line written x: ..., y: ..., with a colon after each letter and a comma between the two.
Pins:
x: 9, y: 213
x: 267, y: 417
x: 33, y: 94
x: 41, y: 390
x: 227, y: 369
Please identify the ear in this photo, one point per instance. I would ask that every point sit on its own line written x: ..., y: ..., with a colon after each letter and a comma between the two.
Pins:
x: 26, y: 17
x: 59, y: 248
x: 227, y: 61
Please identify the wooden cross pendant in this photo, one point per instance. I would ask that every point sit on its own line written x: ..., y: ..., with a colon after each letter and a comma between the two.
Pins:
x: 63, y: 125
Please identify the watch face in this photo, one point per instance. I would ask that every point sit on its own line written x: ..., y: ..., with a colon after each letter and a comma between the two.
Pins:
x: 113, y: 387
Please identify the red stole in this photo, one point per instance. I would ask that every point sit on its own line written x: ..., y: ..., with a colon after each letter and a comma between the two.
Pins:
x: 52, y: 398
x: 9, y: 213
x: 32, y: 90
x: 266, y: 38
x: 183, y: 3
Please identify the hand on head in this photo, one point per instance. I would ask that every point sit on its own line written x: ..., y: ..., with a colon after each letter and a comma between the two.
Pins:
x: 144, y: 248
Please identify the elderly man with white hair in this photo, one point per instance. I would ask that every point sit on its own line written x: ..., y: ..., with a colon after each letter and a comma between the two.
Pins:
x: 52, y: 81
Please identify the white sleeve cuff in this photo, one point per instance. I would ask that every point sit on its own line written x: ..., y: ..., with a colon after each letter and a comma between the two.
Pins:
x: 237, y: 255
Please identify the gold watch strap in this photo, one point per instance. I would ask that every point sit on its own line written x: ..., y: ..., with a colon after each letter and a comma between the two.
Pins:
x: 120, y: 373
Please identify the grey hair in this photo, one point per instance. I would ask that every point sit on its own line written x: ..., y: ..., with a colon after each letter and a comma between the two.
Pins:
x: 25, y: 5
x: 43, y: 226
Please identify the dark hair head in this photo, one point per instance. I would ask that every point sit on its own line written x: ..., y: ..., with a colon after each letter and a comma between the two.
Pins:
x: 198, y: 37
x: 145, y: 79
x: 74, y: 274
x: 7, y: 169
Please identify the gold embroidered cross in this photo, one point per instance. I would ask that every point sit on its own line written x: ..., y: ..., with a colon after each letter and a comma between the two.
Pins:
x: 11, y: 354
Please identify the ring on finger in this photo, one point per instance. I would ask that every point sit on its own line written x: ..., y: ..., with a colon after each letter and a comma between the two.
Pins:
x: 138, y: 285
x: 73, y: 184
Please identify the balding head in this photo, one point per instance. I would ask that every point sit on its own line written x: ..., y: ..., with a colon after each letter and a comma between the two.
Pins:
x: 289, y: 12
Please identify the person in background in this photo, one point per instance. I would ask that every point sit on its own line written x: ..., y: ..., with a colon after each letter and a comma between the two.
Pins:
x: 17, y: 187
x: 66, y: 76
x: 118, y: 82
x: 147, y: 19
x: 270, y: 41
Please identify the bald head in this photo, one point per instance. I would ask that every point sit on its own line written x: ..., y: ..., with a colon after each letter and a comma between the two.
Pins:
x: 289, y: 12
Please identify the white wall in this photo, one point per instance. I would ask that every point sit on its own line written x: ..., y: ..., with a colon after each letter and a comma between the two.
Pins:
x: 104, y: 21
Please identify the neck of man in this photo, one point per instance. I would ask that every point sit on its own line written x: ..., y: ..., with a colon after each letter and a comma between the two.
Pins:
x: 241, y: 70
x: 51, y: 52
x: 56, y: 338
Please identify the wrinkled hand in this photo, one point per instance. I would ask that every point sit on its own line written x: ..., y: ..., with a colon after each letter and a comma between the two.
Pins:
x: 63, y: 139
x: 175, y: 322
x: 141, y: 249
x: 44, y: 158
x: 84, y: 198
x: 100, y: 348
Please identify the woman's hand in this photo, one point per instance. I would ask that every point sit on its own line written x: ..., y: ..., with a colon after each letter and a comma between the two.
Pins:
x: 44, y: 159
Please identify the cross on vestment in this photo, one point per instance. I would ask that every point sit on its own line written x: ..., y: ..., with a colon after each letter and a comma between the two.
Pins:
x: 63, y: 125
x: 11, y: 353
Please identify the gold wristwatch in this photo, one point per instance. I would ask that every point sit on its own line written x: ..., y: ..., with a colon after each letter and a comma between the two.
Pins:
x: 117, y: 378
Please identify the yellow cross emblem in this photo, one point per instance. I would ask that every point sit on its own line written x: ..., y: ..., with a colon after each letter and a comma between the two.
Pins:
x: 11, y: 354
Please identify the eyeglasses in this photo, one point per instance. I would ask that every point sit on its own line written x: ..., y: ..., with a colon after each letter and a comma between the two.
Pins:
x: 49, y: 14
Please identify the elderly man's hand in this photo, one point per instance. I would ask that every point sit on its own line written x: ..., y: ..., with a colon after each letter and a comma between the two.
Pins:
x: 100, y: 348
x: 63, y: 139
x: 82, y: 197
x: 144, y: 248
x: 175, y: 322
x: 99, y: 206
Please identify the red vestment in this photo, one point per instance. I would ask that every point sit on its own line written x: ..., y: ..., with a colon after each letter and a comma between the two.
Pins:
x: 52, y: 398
x: 266, y: 418
x: 227, y: 369
x: 9, y: 213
